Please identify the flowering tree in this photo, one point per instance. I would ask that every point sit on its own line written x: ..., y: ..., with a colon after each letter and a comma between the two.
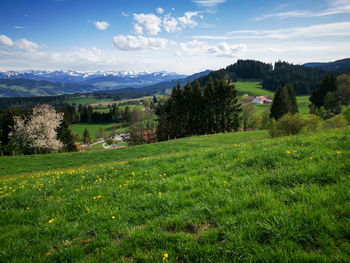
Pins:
x: 38, y: 132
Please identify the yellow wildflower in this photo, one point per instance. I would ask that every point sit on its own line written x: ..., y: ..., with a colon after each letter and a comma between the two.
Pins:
x: 113, y: 217
x: 165, y: 256
x: 338, y: 152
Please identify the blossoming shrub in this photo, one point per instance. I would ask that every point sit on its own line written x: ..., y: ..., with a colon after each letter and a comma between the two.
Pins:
x: 289, y: 124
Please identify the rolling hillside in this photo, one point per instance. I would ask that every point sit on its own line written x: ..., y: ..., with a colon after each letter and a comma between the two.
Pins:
x: 219, y: 198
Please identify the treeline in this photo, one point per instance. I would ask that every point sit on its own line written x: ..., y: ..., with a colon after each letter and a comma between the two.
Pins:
x: 87, y: 114
x: 193, y: 111
x: 303, y: 79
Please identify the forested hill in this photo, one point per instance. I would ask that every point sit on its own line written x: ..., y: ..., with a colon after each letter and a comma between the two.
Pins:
x: 340, y: 66
x: 303, y: 79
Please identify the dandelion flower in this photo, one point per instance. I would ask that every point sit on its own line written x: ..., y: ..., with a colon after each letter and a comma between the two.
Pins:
x: 165, y: 256
x: 113, y: 217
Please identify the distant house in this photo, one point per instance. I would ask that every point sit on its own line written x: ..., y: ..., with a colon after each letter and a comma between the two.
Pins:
x: 262, y: 100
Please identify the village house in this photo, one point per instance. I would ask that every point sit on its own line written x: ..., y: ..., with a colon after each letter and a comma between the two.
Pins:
x: 262, y: 100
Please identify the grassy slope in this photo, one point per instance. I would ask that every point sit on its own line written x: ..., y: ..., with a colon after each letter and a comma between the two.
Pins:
x: 93, y: 128
x: 267, y: 201
x: 10, y: 164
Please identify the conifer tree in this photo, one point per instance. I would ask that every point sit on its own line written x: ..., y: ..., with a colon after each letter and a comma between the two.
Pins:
x: 64, y: 134
x: 293, y: 105
x: 280, y: 104
x: 86, y: 137
x: 209, y: 102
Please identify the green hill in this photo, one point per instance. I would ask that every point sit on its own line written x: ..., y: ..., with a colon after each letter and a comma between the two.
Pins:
x: 218, y: 198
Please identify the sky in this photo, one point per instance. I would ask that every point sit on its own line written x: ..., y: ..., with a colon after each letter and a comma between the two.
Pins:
x: 182, y: 36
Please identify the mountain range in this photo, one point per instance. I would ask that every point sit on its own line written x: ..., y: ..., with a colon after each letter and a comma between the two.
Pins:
x: 49, y: 83
x: 46, y: 83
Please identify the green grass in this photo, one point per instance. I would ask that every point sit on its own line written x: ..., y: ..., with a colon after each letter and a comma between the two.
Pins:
x: 252, y: 89
x: 255, y: 89
x: 230, y: 197
x: 9, y: 164
x: 93, y: 128
x: 82, y: 101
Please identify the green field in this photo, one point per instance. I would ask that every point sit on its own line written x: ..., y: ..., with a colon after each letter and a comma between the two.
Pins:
x: 228, y: 197
x: 93, y: 128
x: 83, y: 101
x: 254, y: 89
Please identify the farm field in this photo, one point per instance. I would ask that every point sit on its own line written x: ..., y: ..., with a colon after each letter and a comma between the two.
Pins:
x: 93, y: 128
x: 254, y: 89
x: 218, y: 198
x: 83, y: 101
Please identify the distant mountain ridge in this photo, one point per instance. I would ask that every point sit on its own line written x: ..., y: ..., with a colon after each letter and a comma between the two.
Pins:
x: 171, y: 83
x: 99, y: 79
x: 339, y: 66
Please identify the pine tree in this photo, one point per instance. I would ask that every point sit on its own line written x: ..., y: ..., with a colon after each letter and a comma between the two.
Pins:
x: 280, y: 104
x: 292, y: 105
x: 209, y: 103
x: 197, y: 108
x: 328, y: 84
x: 64, y: 134
x: 86, y: 137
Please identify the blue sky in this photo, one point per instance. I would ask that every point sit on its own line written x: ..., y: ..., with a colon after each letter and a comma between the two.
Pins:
x: 184, y: 36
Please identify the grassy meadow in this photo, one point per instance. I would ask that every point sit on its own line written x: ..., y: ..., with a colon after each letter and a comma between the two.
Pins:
x: 93, y: 128
x: 255, y: 89
x: 233, y: 197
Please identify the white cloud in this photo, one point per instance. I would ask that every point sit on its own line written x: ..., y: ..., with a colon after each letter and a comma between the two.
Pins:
x: 335, y: 7
x: 314, y: 31
x: 222, y: 49
x: 6, y: 41
x: 186, y: 20
x: 101, y: 25
x: 128, y: 43
x: 18, y: 27
x: 225, y: 50
x: 323, y: 30
x: 125, y: 14
x: 150, y: 22
x: 212, y: 37
x: 160, y: 10
x: 170, y: 24
x: 21, y: 44
x: 27, y: 45
x: 138, y: 29
x: 208, y: 3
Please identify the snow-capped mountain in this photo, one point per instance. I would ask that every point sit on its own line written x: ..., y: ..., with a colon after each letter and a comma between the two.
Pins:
x: 100, y: 79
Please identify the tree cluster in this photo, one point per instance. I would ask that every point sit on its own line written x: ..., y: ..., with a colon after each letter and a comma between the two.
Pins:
x: 329, y: 99
x: 283, y: 102
x: 191, y: 111
x: 302, y: 78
